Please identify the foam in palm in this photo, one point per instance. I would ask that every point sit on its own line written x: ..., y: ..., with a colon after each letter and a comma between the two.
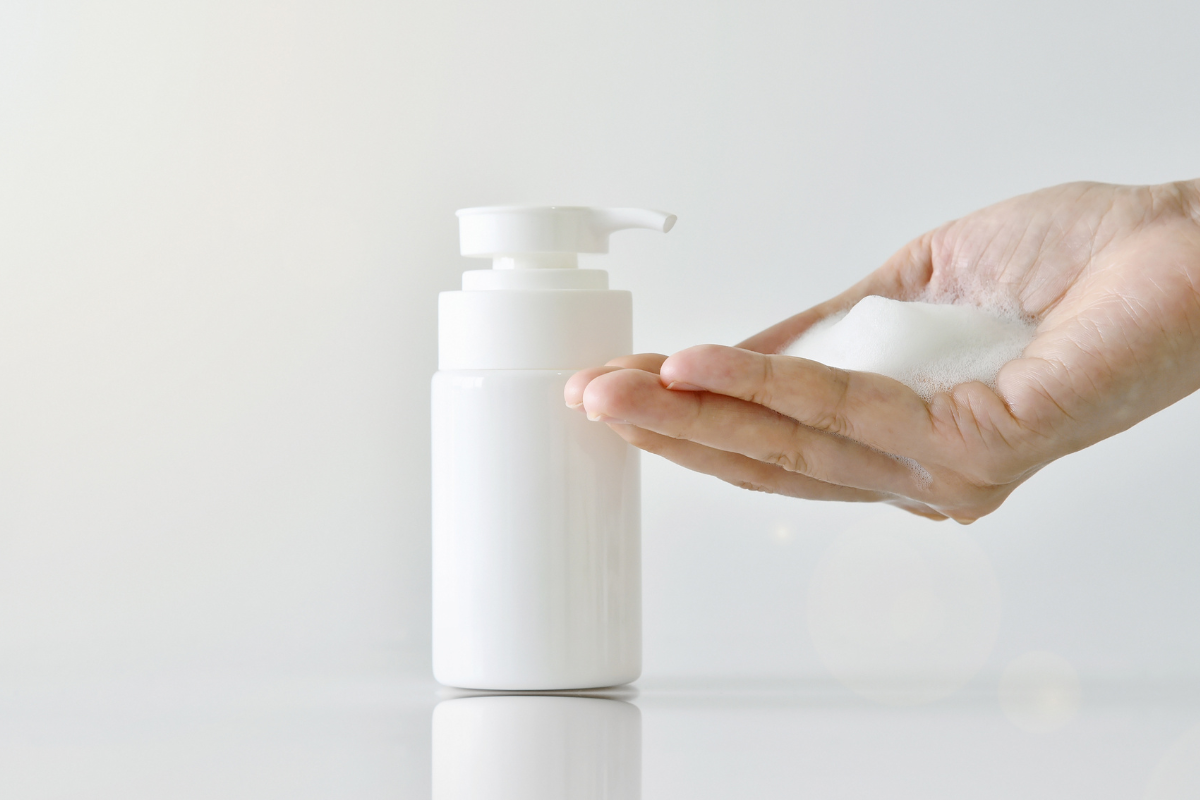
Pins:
x: 930, y: 347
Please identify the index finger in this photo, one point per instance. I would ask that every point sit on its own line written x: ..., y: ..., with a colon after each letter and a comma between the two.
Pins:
x: 873, y: 409
x: 573, y: 391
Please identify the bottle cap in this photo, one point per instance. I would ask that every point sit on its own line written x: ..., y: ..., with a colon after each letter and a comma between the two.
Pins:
x: 547, y: 237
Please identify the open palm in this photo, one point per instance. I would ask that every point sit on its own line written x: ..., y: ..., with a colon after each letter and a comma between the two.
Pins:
x: 1111, y: 276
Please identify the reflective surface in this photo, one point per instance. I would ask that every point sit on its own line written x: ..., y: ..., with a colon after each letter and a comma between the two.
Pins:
x: 536, y: 748
x: 663, y: 739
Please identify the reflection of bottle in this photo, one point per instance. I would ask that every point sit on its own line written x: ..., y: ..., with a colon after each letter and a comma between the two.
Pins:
x: 536, y: 542
x: 513, y: 747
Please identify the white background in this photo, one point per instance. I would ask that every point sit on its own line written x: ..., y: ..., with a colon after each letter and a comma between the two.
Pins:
x: 223, y: 227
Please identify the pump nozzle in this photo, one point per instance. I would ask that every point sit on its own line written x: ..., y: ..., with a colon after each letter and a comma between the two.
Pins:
x: 619, y: 219
x: 547, y: 237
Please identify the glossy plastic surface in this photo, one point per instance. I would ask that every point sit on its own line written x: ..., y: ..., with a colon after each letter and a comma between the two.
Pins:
x: 536, y: 538
x: 533, y: 329
x: 548, y: 237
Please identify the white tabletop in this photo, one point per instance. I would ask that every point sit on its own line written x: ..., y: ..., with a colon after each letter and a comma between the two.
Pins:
x: 663, y: 738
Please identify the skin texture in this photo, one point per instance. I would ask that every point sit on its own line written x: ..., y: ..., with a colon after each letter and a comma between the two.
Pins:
x: 1110, y: 275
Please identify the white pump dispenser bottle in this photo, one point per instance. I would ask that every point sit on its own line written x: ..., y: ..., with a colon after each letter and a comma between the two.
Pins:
x: 536, y: 511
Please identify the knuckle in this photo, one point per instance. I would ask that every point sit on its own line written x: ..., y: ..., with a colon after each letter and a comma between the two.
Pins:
x: 835, y: 414
x: 752, y: 486
x: 762, y: 392
x: 791, y: 459
x: 692, y: 427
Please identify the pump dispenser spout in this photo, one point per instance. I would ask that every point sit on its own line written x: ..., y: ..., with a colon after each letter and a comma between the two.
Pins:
x: 548, y: 237
x: 619, y: 219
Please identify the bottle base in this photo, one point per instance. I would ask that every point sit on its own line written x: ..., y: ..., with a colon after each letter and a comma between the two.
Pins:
x: 565, y: 684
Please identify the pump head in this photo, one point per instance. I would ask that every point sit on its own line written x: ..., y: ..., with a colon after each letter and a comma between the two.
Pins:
x: 547, y: 237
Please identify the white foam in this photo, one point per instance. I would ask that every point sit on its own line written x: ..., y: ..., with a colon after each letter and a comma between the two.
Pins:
x: 930, y: 347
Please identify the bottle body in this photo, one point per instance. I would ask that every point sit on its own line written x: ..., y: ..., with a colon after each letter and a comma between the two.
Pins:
x: 536, y: 537
x: 536, y: 517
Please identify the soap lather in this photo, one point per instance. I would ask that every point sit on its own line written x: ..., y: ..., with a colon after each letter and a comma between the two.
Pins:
x: 930, y: 347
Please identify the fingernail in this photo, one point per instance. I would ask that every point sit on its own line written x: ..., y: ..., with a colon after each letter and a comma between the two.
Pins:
x: 680, y: 386
x: 605, y: 418
x: 575, y: 406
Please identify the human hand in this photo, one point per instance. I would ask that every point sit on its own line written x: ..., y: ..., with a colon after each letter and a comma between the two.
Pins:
x: 1111, y: 276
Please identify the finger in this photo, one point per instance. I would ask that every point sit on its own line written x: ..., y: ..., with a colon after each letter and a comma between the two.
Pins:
x: 649, y: 362
x: 872, y: 409
x: 920, y: 509
x: 741, y: 470
x: 902, y: 277
x: 737, y: 426
x: 573, y: 391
